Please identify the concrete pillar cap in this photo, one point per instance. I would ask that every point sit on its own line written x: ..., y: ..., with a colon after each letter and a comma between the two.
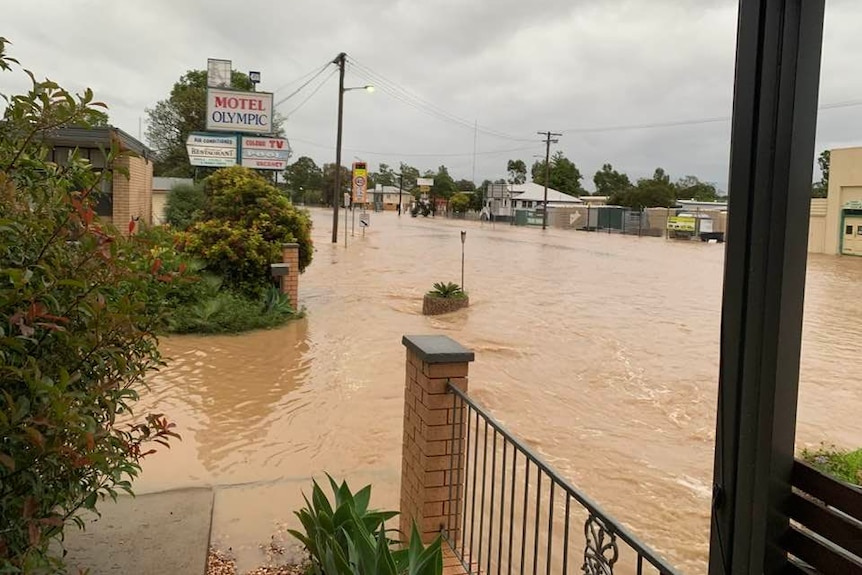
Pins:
x: 437, y: 349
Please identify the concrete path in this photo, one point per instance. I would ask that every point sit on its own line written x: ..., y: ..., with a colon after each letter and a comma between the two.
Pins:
x: 163, y: 533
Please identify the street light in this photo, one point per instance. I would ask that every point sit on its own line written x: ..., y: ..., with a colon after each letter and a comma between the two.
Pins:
x: 339, y: 60
x: 463, y: 239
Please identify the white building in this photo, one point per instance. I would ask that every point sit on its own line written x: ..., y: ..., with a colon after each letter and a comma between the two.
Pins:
x: 504, y: 199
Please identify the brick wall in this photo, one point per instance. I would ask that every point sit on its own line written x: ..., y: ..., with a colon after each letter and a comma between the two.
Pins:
x: 132, y: 195
x: 432, y: 453
x: 290, y: 283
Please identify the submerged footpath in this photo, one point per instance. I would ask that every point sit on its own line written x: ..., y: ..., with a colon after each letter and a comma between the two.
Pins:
x: 167, y: 532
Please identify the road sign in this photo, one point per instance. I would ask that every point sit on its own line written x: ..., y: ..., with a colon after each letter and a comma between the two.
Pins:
x: 364, y: 219
x: 574, y: 217
x: 360, y: 183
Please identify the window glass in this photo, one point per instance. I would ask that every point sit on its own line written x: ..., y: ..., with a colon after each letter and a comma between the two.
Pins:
x: 105, y: 198
x: 848, y: 230
x: 97, y: 158
x: 61, y: 155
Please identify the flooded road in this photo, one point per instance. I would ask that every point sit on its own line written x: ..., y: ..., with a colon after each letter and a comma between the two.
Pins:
x: 600, y: 351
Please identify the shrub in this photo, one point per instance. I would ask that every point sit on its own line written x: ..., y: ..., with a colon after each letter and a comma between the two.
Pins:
x: 229, y: 312
x: 79, y: 308
x: 185, y: 205
x: 199, y: 300
x: 447, y: 291
x: 244, y: 223
x: 348, y: 539
x: 841, y: 464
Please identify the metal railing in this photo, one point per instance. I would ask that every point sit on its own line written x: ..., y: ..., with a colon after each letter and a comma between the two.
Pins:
x: 517, y: 515
x: 826, y: 533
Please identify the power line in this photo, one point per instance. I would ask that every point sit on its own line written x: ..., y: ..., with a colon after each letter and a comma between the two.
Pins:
x: 411, y: 98
x: 306, y: 83
x: 313, y: 92
x: 296, y: 80
x: 692, y: 122
x: 420, y: 154
x: 846, y: 104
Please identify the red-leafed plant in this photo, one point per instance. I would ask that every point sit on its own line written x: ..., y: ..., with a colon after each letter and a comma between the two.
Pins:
x: 80, y: 304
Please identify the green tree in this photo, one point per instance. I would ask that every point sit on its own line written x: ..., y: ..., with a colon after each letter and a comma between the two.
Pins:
x: 444, y: 186
x: 100, y: 119
x: 609, y: 181
x: 465, y: 186
x: 691, y: 188
x: 821, y: 189
x: 329, y: 183
x: 477, y: 201
x: 410, y: 175
x: 386, y: 176
x: 185, y: 205
x: 80, y: 304
x: 302, y: 178
x: 661, y: 176
x: 460, y: 202
x: 170, y: 121
x: 649, y: 192
x: 517, y: 171
x: 564, y: 175
x: 244, y: 224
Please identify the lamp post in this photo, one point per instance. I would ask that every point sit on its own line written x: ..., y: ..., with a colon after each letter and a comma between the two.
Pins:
x: 463, y: 239
x: 339, y: 61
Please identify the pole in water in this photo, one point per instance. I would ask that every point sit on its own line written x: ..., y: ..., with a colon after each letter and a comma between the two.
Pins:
x: 346, y: 211
x: 463, y: 239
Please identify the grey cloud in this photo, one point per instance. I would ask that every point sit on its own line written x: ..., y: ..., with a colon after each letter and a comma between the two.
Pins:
x: 515, y: 67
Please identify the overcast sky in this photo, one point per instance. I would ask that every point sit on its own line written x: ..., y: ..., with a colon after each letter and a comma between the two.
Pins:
x: 513, y: 66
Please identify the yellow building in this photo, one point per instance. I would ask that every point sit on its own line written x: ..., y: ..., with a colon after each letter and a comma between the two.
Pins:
x: 836, y: 221
x: 124, y: 196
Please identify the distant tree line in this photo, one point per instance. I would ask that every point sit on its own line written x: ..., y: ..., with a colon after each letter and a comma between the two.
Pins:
x: 171, y: 120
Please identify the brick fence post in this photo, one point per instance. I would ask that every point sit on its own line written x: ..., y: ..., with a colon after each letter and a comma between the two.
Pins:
x: 290, y: 282
x: 430, y: 437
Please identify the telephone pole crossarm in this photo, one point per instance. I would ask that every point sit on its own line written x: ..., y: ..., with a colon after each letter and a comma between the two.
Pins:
x: 549, y: 139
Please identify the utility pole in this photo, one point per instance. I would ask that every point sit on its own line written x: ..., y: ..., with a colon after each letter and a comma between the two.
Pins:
x: 336, y: 193
x: 400, y: 188
x: 548, y: 141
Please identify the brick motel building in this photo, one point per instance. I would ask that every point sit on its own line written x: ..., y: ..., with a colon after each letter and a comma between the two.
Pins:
x: 124, y: 197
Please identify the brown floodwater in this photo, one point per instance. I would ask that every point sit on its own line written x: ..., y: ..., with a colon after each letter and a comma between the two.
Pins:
x: 600, y: 351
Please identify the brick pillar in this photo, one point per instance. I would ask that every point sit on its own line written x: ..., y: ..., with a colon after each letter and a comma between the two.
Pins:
x: 290, y: 282
x: 427, y: 482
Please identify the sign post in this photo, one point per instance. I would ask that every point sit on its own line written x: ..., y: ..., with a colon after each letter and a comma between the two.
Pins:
x: 360, y: 183
x: 360, y: 189
x: 463, y: 240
